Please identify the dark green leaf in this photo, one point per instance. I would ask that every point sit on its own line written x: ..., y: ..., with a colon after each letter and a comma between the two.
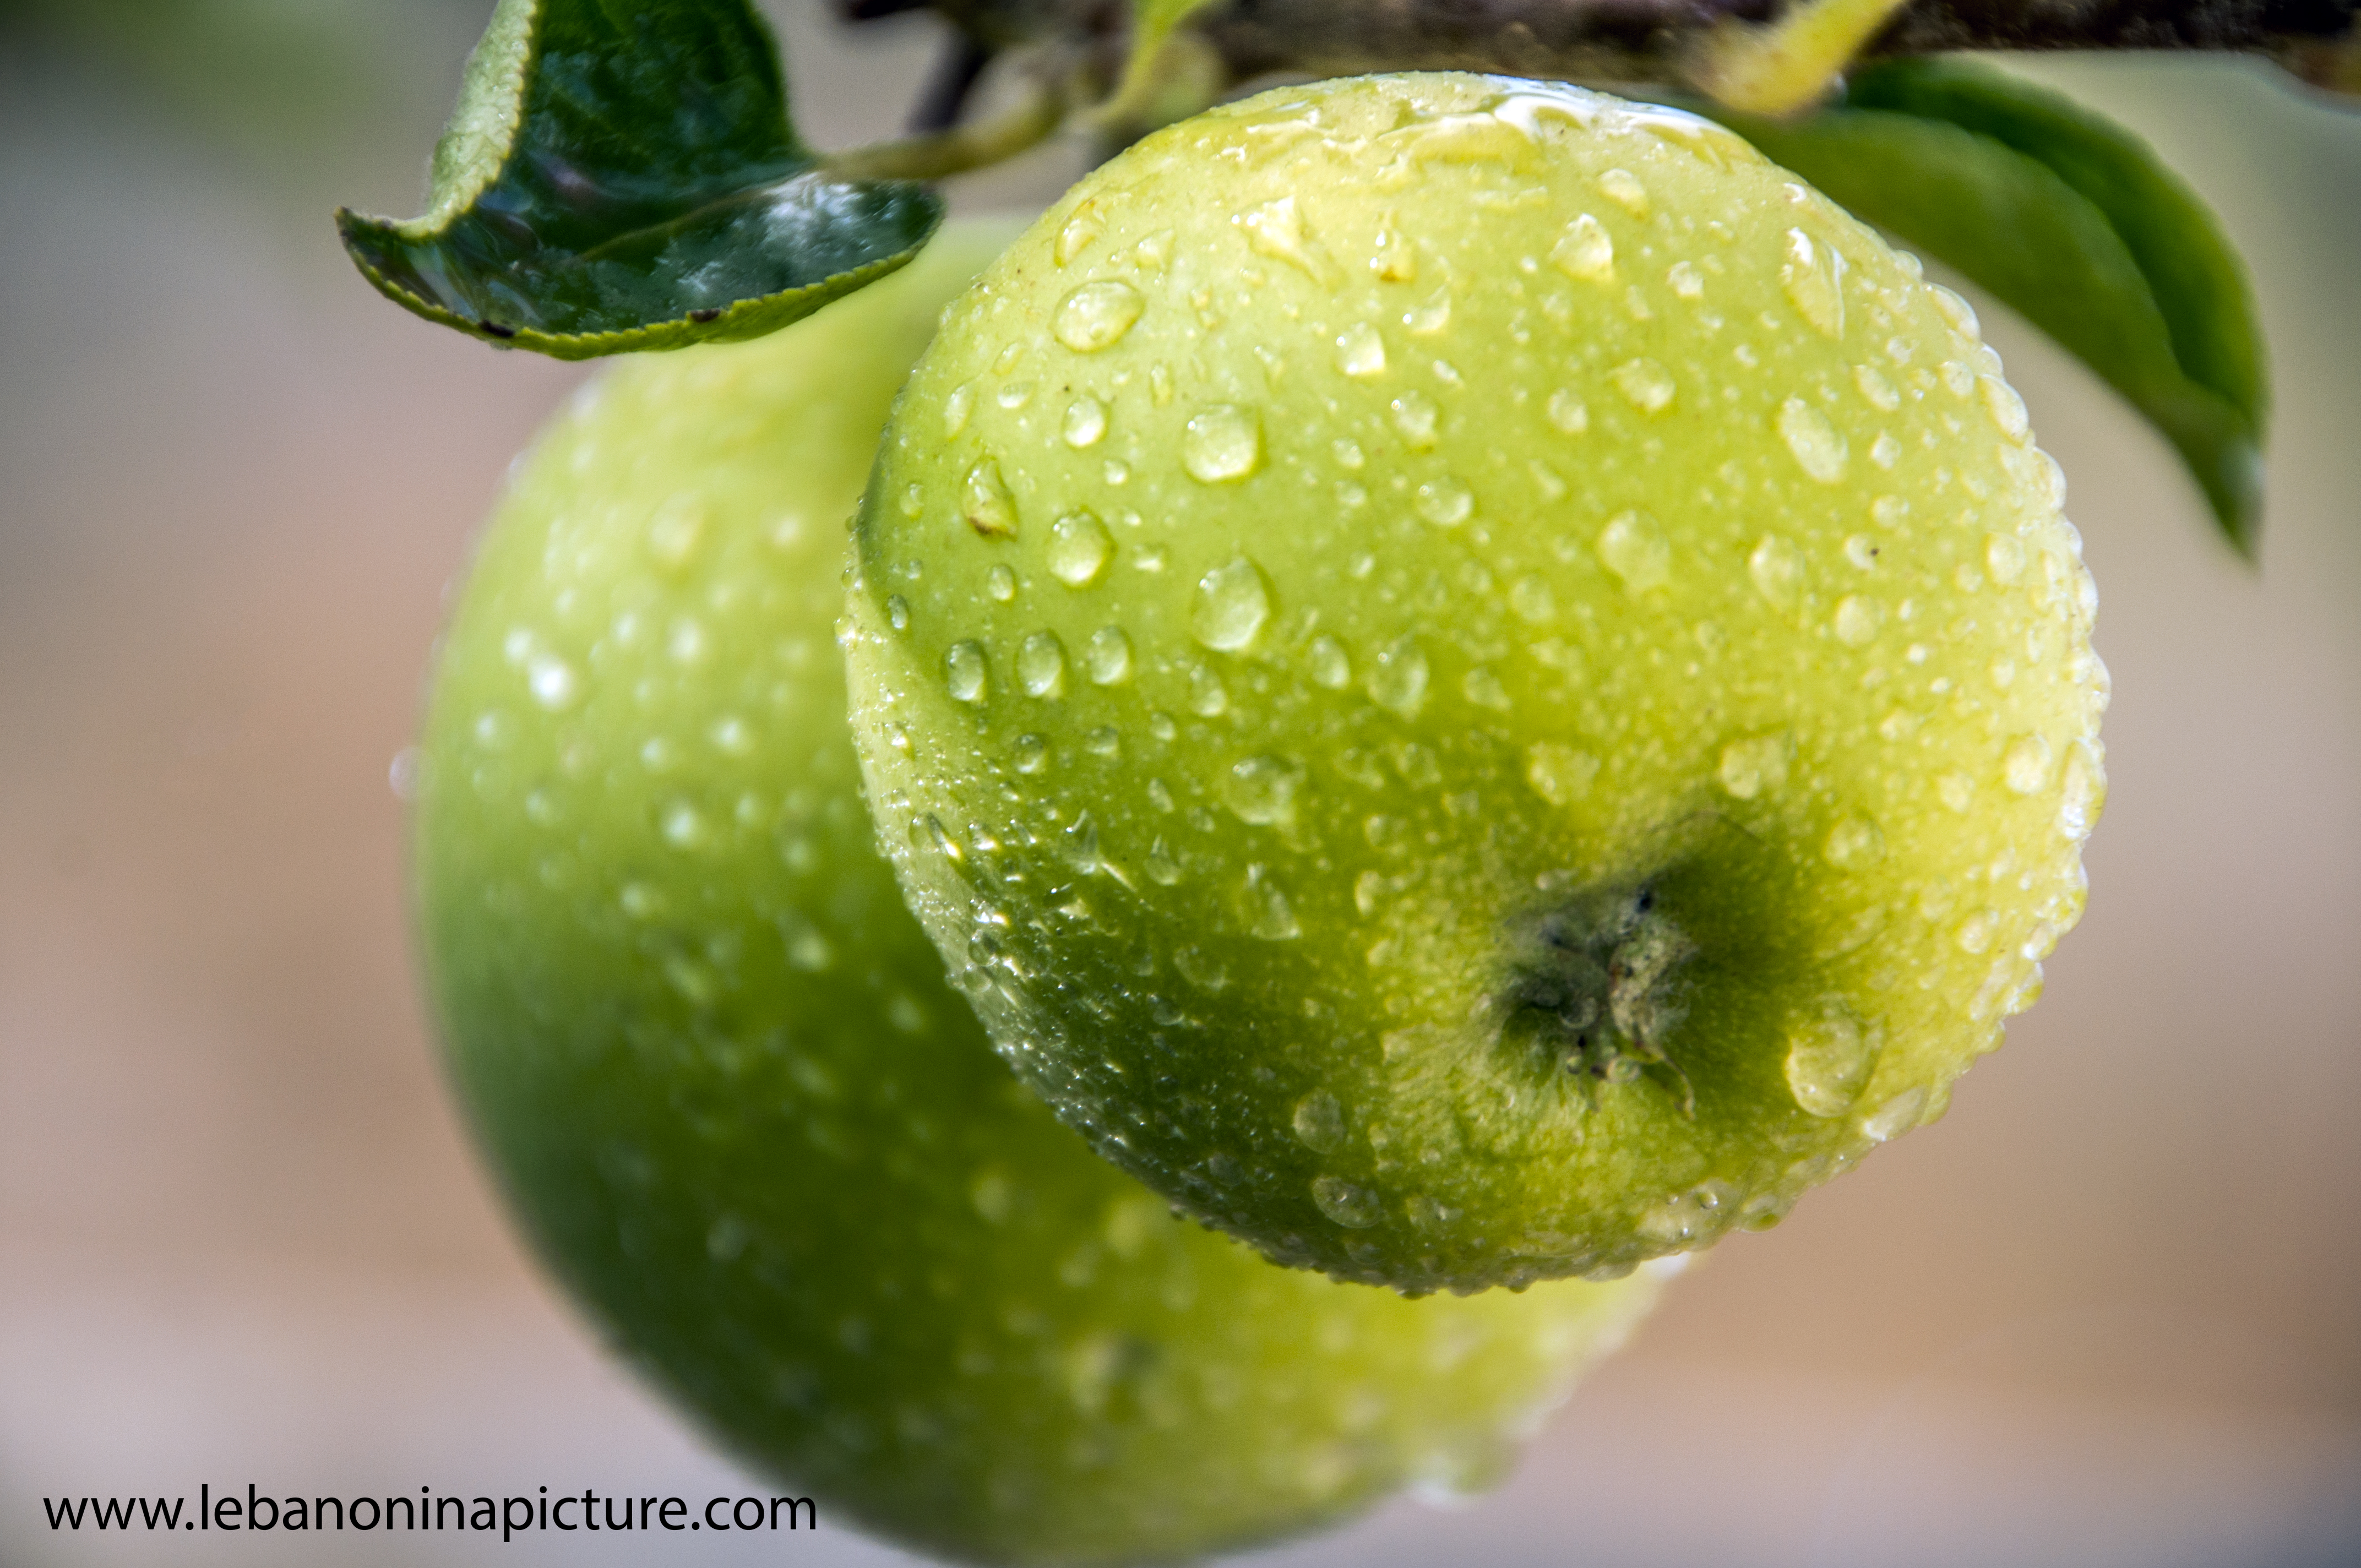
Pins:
x: 2074, y: 223
x: 620, y: 174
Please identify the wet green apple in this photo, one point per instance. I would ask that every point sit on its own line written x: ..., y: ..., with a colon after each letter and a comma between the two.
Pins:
x: 1478, y: 684
x: 716, y: 1066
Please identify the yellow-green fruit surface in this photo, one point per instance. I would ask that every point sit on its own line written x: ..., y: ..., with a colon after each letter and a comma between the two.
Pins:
x: 1480, y: 684
x: 716, y: 1065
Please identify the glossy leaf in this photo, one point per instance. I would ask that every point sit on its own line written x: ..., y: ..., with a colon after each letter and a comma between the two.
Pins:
x: 623, y: 176
x: 2074, y: 223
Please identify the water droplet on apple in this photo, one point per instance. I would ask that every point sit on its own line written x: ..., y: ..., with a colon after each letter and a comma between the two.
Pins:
x: 1085, y: 424
x: 1829, y: 1059
x: 1414, y: 415
x: 1326, y: 661
x: 966, y: 671
x: 1041, y: 665
x: 1777, y: 569
x: 1232, y: 604
x: 1208, y: 698
x: 1559, y: 774
x: 1623, y: 187
x: 1080, y: 546
x: 1222, y: 443
x: 958, y: 407
x: 999, y: 583
x: 1896, y: 1116
x: 1857, y: 620
x: 1319, y: 1121
x: 2004, y: 558
x: 1814, y: 289
x: 1879, y: 390
x: 1107, y: 657
x: 1636, y: 549
x: 1262, y: 790
x: 990, y: 509
x: 1096, y: 315
x: 1854, y: 843
x: 1585, y: 252
x: 552, y: 681
x: 1445, y: 502
x: 1568, y: 413
x: 1269, y: 917
x: 1361, y: 351
x: 1354, y: 1207
x: 1645, y: 385
x: 1398, y: 679
x: 1754, y: 765
x: 1817, y: 446
x: 2026, y: 766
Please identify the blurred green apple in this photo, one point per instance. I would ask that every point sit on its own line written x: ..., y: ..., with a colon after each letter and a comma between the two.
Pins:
x: 716, y: 1065
x: 1478, y: 684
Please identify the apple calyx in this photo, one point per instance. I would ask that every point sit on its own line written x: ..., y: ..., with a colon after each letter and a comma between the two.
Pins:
x: 1600, y: 990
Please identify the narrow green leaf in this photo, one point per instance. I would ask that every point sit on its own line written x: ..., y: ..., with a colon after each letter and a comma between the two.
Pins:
x: 620, y: 175
x: 2074, y: 223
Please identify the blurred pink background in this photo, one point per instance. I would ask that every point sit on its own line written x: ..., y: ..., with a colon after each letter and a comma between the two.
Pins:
x: 2108, y: 1312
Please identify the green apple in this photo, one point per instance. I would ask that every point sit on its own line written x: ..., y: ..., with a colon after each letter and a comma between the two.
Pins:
x: 1478, y: 684
x: 716, y: 1066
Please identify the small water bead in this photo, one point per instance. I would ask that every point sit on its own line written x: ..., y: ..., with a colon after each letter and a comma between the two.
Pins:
x: 1032, y: 753
x: 1814, y: 289
x: 1559, y: 774
x: 1014, y: 395
x: 1080, y: 548
x: 1354, y: 1207
x: 1482, y: 687
x: 683, y: 826
x: 1568, y: 413
x: 1854, y: 843
x: 966, y: 671
x: 1777, y: 569
x: 2008, y: 408
x: 1888, y: 511
x: 1956, y: 790
x: 1816, y: 445
x: 1876, y: 388
x: 1085, y: 424
x: 1392, y: 260
x: 552, y: 681
x: 1647, y: 385
x: 985, y: 502
x: 1096, y: 315
x: 1041, y: 665
x: 2027, y: 764
x: 1974, y: 935
x: 1695, y: 1216
x: 1623, y: 187
x: 1318, y: 1122
x: 1957, y: 378
x: 1896, y: 1116
x: 1530, y: 600
x: 1430, y: 319
x: 1327, y: 664
x: 1829, y: 1059
x: 1636, y: 549
x: 958, y: 407
x: 2082, y: 790
x: 1107, y: 657
x: 1955, y: 310
x: 1269, y: 916
x: 1222, y: 443
x: 1398, y: 679
x: 1585, y: 252
x: 1001, y: 584
x: 1414, y: 415
x: 1232, y: 605
x: 1361, y: 351
x: 1445, y: 502
x: 1754, y: 765
x: 1161, y: 868
x: 2004, y: 557
x: 1083, y: 226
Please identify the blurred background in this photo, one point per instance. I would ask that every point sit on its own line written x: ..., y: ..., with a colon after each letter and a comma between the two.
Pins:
x: 2108, y: 1312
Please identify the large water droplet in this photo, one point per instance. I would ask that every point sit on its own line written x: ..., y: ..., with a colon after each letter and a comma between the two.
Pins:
x: 1754, y: 765
x: 1085, y: 424
x: 1107, y: 657
x: 1319, y: 1121
x: 1361, y: 351
x: 1829, y: 1058
x: 1096, y: 315
x: 1645, y: 385
x: 1815, y: 444
x: 1414, y: 415
x: 1585, y: 251
x: 1276, y: 229
x: 1559, y: 774
x: 2027, y: 764
x: 1326, y: 661
x: 966, y: 671
x: 1445, y: 502
x: 1857, y: 621
x: 1635, y: 550
x: 1398, y: 679
x: 1355, y: 1208
x: 1080, y: 546
x: 1222, y: 443
x: 1815, y: 288
x: 990, y: 509
x: 1777, y: 569
x: 1262, y: 790
x: 1269, y: 916
x: 1896, y: 1116
x: 1041, y: 664
x: 1232, y: 604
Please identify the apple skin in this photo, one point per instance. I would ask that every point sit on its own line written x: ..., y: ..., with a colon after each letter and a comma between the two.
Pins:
x: 1479, y: 684
x: 717, y: 1068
